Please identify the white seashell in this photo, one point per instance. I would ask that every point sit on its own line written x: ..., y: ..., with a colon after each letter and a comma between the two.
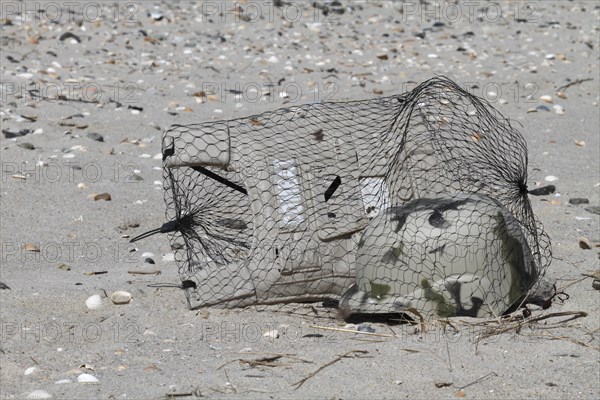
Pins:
x: 87, y: 379
x: 550, y: 178
x: 546, y: 98
x: 62, y: 381
x: 94, y: 302
x: 558, y: 109
x: 147, y: 254
x: 29, y: 370
x: 39, y: 394
x: 120, y: 297
x: 274, y: 334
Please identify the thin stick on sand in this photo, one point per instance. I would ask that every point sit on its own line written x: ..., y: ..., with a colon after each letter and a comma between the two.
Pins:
x: 354, y: 353
x: 328, y: 328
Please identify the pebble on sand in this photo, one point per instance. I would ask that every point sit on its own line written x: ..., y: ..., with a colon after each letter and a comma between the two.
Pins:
x: 94, y: 302
x: 95, y: 136
x: 578, y: 200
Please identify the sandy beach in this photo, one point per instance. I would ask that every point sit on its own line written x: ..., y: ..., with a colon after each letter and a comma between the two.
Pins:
x: 88, y: 89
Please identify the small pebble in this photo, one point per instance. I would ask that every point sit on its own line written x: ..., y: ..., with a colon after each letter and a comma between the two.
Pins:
x: 585, y: 243
x: 10, y: 135
x: 26, y: 145
x: 94, y: 302
x: 543, y: 191
x: 366, y: 328
x: 120, y: 297
x: 578, y: 200
x: 593, y: 209
x: 596, y: 284
x: 95, y: 136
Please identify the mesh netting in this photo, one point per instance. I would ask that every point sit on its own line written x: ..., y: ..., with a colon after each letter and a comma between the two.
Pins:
x: 417, y: 200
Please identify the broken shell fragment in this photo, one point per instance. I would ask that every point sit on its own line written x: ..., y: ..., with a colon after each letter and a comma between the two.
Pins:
x: 120, y: 297
x: 39, y: 394
x: 585, y: 243
x: 274, y: 334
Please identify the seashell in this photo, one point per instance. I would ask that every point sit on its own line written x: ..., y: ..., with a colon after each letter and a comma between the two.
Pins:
x: 29, y: 370
x: 62, y: 381
x: 585, y: 243
x: 87, y: 379
x: 94, y: 302
x: 102, y: 196
x: 39, y: 394
x: 546, y: 98
x: 120, y: 297
x: 558, y: 109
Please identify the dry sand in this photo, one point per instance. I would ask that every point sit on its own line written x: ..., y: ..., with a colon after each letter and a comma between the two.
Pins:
x: 153, y: 57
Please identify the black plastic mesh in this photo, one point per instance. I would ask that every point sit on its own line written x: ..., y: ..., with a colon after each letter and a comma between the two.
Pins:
x: 417, y: 200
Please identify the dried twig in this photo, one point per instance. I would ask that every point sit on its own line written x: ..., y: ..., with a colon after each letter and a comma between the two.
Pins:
x: 421, y: 319
x: 478, y: 380
x: 516, y: 322
x: 328, y: 328
x: 229, y: 381
x: 196, y: 393
x: 576, y: 82
x: 267, y: 361
x: 354, y: 353
x: 157, y: 272
x: 570, y: 339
